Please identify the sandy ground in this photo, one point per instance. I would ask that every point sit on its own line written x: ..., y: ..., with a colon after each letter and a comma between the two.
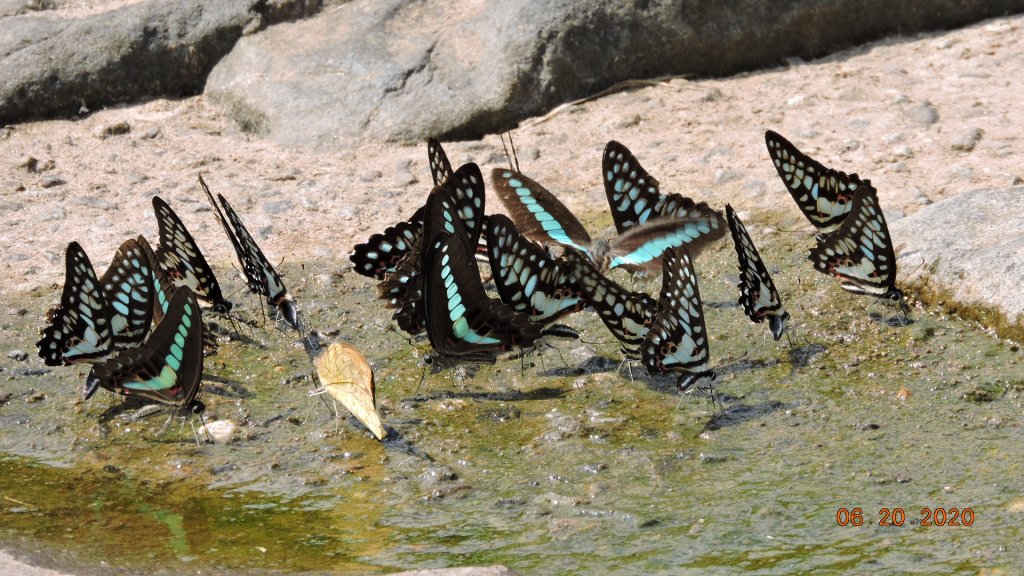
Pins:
x: 897, y: 111
x: 905, y: 112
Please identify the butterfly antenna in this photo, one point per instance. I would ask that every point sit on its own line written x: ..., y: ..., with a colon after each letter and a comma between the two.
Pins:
x: 513, y: 159
x: 423, y: 375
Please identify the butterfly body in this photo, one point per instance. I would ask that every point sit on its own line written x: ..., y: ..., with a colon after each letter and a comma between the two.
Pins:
x: 823, y: 194
x: 677, y: 340
x: 758, y: 295
x: 168, y: 367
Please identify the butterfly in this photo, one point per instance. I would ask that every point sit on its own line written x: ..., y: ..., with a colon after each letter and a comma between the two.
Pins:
x: 460, y: 198
x: 345, y: 374
x: 80, y: 327
x: 635, y: 197
x: 823, y: 194
x: 758, y: 295
x: 677, y: 340
x: 542, y: 217
x: 260, y: 274
x: 168, y: 367
x: 382, y: 251
x: 462, y: 321
x: 628, y: 315
x: 860, y: 253
x: 527, y: 278
x: 127, y: 286
x: 183, y: 262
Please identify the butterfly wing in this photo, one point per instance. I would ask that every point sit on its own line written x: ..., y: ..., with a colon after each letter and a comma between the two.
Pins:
x: 263, y: 279
x: 677, y: 340
x: 80, y: 327
x: 635, y: 197
x: 183, y: 262
x: 758, y: 295
x: 538, y: 215
x: 642, y: 246
x: 440, y: 167
x: 527, y: 278
x: 382, y: 252
x: 128, y: 287
x: 823, y: 194
x: 860, y: 252
x: 466, y: 188
x: 348, y: 378
x: 461, y: 319
x: 168, y: 368
x: 628, y: 315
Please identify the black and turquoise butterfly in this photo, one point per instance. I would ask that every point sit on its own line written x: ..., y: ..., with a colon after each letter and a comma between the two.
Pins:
x: 460, y: 198
x: 677, y: 340
x: 168, y: 367
x: 381, y: 253
x: 80, y: 327
x: 128, y: 287
x: 260, y: 274
x: 860, y: 253
x: 180, y: 258
x: 527, y: 278
x: 541, y: 217
x: 462, y: 321
x: 628, y: 315
x: 758, y: 295
x: 122, y: 312
x: 635, y: 198
x: 823, y: 194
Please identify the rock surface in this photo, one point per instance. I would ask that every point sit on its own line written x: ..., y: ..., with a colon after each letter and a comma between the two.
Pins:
x: 972, y: 246
x: 403, y: 71
x: 61, y: 64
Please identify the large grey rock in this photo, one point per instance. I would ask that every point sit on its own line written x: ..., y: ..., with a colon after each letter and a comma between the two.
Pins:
x: 403, y: 70
x: 972, y: 247
x: 55, y: 64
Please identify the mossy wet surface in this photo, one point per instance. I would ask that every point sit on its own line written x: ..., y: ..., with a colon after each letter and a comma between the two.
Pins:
x: 565, y: 467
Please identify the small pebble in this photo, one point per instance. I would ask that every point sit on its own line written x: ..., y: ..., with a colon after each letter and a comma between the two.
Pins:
x: 966, y: 141
x: 115, y: 129
x: 726, y: 175
x: 922, y: 115
x: 51, y: 181
x: 19, y: 355
x: 222, y: 431
x: 50, y: 214
x: 278, y: 207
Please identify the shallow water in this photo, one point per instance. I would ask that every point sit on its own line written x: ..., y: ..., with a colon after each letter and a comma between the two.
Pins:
x: 564, y: 467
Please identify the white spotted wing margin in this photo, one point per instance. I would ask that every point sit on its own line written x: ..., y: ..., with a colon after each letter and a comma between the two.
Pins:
x: 677, y: 340
x: 860, y: 253
x: 260, y: 274
x: 80, y: 327
x: 758, y: 295
x: 823, y: 194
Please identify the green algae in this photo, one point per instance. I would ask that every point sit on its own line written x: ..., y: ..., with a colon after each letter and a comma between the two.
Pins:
x: 566, y: 466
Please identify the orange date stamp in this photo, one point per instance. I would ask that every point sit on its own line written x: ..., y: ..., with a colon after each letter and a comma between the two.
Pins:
x: 954, y: 517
